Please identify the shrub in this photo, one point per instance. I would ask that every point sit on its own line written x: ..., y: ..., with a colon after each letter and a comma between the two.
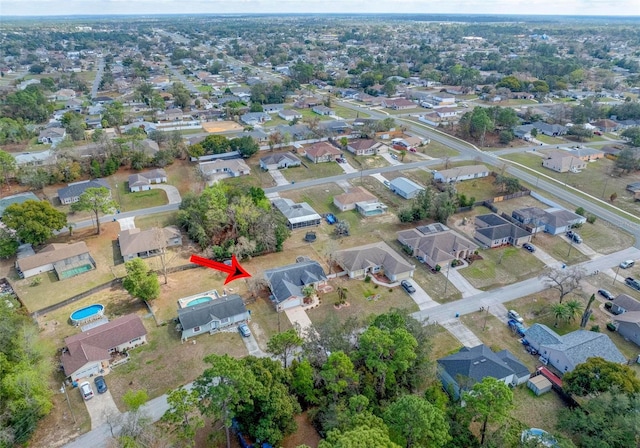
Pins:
x: 580, y: 211
x: 367, y: 279
x: 591, y: 218
x: 595, y: 328
x: 35, y: 281
x: 438, y: 268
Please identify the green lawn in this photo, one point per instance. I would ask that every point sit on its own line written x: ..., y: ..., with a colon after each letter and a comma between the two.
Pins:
x: 349, y: 114
x: 480, y: 189
x: 312, y: 171
x: 558, y: 248
x: 205, y: 89
x: 501, y: 266
x: 444, y: 344
x: 320, y: 197
x: 550, y: 140
x: 156, y: 220
x: 138, y: 200
x: 437, y: 150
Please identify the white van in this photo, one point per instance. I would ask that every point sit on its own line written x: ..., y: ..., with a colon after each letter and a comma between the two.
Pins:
x: 626, y: 264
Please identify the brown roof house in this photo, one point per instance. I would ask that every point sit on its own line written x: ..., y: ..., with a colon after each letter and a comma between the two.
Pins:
x: 376, y: 258
x: 136, y: 243
x: 91, y: 351
x: 563, y: 162
x: 360, y: 199
x: 219, y: 169
x: 365, y: 147
x: 322, y: 152
x: 143, y: 181
x: 67, y: 260
x: 436, y: 244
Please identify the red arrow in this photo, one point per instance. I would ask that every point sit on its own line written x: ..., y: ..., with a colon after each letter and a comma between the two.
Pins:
x: 234, y: 270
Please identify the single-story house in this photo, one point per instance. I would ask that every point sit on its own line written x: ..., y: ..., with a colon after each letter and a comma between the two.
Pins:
x: 606, y: 125
x: 67, y: 260
x: 290, y: 114
x: 495, y: 231
x: 272, y: 108
x: 322, y: 152
x: 552, y: 130
x: 562, y: 162
x: 633, y: 187
x: 568, y: 351
x: 361, y: 199
x: 89, y: 353
x: 287, y: 282
x: 539, y: 384
x: 143, y: 181
x: 323, y: 110
x: 623, y: 304
x: 16, y: 199
x: 71, y: 193
x: 398, y: 103
x: 149, y: 147
x: 461, y: 173
x: 436, y: 244
x: 523, y: 131
x: 364, y: 147
x: 447, y: 112
x: 225, y: 168
x: 52, y: 136
x: 405, y: 188
x: 253, y: 118
x: 279, y: 161
x: 335, y: 127
x: 552, y: 220
x: 460, y: 371
x: 443, y: 99
x: 298, y: 215
x: 40, y: 158
x: 375, y: 258
x: 210, y: 317
x: 136, y: 243
x: 628, y: 326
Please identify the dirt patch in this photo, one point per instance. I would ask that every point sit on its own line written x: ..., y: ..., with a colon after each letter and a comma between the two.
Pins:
x: 306, y: 433
x: 221, y: 126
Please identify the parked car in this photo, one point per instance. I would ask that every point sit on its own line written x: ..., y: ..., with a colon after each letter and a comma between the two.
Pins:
x: 86, y: 390
x: 387, y: 184
x: 635, y: 284
x: 406, y: 284
x: 515, y: 316
x: 331, y: 218
x: 101, y: 385
x: 626, y: 264
x: 394, y: 157
x: 529, y: 247
x: 517, y: 327
x: 574, y: 237
x: 413, y: 150
x: 243, y: 329
x: 606, y: 294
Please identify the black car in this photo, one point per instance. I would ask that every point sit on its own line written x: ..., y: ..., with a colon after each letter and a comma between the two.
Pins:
x: 529, y: 247
x: 606, y: 294
x: 101, y: 385
x: 406, y: 284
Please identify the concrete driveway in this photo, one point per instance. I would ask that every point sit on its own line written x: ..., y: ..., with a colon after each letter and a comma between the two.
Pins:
x: 543, y: 256
x: 386, y: 156
x: 583, y: 248
x: 461, y: 333
x: 461, y: 283
x: 100, y: 407
x: 347, y: 168
x: 278, y: 177
x: 252, y: 346
x: 298, y: 317
x: 127, y: 223
x: 172, y: 192
x: 422, y: 299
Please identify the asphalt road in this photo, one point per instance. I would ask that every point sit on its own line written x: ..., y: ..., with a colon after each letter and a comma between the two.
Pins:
x: 96, y: 82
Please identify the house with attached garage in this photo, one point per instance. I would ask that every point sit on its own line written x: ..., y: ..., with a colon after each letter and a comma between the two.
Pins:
x: 566, y: 352
x: 143, y: 181
x: 136, y: 243
x: 461, y: 173
x: 365, y: 147
x: 287, y: 282
x: 92, y: 351
x: 495, y: 231
x: 279, y: 161
x: 405, y: 188
x: 460, y: 371
x: 551, y: 220
x: 290, y: 114
x: 628, y: 326
x: 224, y: 168
x: 52, y: 136
x: 323, y: 110
x: 360, y: 199
x: 212, y: 316
x: 254, y: 118
x: 322, y: 152
x: 71, y: 193
x: 297, y: 215
x: 375, y: 258
x: 563, y: 162
x: 624, y: 304
x: 67, y: 260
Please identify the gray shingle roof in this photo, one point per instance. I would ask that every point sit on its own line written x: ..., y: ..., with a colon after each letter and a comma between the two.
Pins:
x: 288, y: 281
x: 76, y: 189
x: 626, y: 302
x: 542, y: 334
x: 479, y: 362
x: 371, y: 255
x: 406, y: 185
x: 217, y: 309
x: 296, y: 213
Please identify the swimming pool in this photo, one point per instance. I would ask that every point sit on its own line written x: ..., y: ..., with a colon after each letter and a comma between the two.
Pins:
x: 84, y: 314
x: 199, y: 300
x: 75, y: 271
x: 542, y: 436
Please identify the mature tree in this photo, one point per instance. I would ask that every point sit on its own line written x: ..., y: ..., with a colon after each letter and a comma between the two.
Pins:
x: 488, y: 401
x: 183, y: 414
x: 135, y: 422
x: 283, y: 345
x: 560, y: 312
x: 633, y: 135
x: 580, y: 132
x: 222, y: 388
x: 627, y: 161
x: 445, y: 205
x: 606, y: 421
x: 74, y: 124
x: 29, y: 104
x: 140, y: 281
x: 573, y: 309
x: 181, y: 96
x: 12, y: 131
x: 7, y: 167
x: 414, y: 422
x: 8, y: 244
x: 587, y: 312
x: 564, y: 280
x: 113, y: 114
x: 246, y: 146
x: 338, y: 374
x: 34, y: 221
x: 359, y: 437
x: 597, y: 375
x: 97, y: 200
x: 303, y: 382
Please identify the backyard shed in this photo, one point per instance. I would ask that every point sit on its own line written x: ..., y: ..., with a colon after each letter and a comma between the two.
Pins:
x: 539, y: 385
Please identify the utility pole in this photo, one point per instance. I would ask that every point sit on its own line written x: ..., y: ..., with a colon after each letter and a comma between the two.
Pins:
x: 64, y: 389
x: 616, y: 276
x: 485, y: 319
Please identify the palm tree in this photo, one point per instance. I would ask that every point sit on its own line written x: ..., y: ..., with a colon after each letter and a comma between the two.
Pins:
x: 560, y: 311
x: 342, y: 294
x: 308, y: 291
x: 573, y: 309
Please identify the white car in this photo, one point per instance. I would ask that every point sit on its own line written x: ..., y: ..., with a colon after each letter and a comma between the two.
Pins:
x: 626, y: 264
x: 515, y: 316
x: 86, y: 390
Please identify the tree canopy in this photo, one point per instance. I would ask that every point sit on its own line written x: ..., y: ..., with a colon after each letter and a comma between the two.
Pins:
x: 96, y: 200
x: 140, y: 281
x: 598, y: 375
x: 34, y: 221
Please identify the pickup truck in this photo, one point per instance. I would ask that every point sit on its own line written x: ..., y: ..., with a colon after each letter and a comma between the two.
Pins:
x: 635, y: 284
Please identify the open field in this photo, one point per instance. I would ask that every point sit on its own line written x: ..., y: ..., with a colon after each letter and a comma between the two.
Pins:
x: 348, y: 114
x: 365, y: 162
x: 221, y: 126
x: 437, y: 150
x: 312, y: 171
x: 483, y: 188
x: 141, y: 199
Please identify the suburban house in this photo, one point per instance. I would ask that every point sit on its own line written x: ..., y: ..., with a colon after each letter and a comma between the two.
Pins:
x: 405, y: 188
x: 563, y: 162
x: 298, y: 215
x: 273, y: 108
x: 443, y: 99
x: 290, y: 114
x: 460, y: 371
x: 568, y: 351
x: 91, y: 351
x: 364, y: 147
x: 624, y: 304
x: 40, y: 158
x: 398, y: 103
x: 446, y: 112
x: 495, y: 231
x: 71, y: 193
x: 552, y: 130
x: 361, y: 199
x: 606, y: 125
x: 52, y: 136
x: 322, y: 152
x: 67, y: 260
x: 279, y: 161
x: 376, y: 258
x: 210, y: 317
x: 552, y: 220
x: 287, y: 282
x: 254, y: 118
x: 224, y: 168
x: 461, y: 173
x: 586, y: 154
x: 323, y: 110
x: 143, y: 181
x: 136, y: 243
x: 628, y: 326
x: 436, y: 244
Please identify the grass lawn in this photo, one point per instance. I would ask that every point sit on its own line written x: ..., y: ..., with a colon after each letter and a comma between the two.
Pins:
x: 365, y: 162
x: 348, y: 114
x: 536, y: 412
x: 314, y: 171
x: 423, y: 177
x: 156, y: 220
x: 558, y: 248
x: 501, y: 266
x: 320, y: 198
x: 550, y: 140
x: 205, y: 89
x: 437, y: 150
x: 444, y: 344
x: 480, y: 189
x: 359, y: 306
x: 386, y: 196
x: 141, y: 199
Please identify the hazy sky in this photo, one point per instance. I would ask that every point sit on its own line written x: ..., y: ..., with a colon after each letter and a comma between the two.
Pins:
x: 563, y: 7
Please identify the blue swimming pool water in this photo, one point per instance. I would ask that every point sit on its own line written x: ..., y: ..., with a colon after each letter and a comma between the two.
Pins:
x: 199, y: 301
x: 89, y: 311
